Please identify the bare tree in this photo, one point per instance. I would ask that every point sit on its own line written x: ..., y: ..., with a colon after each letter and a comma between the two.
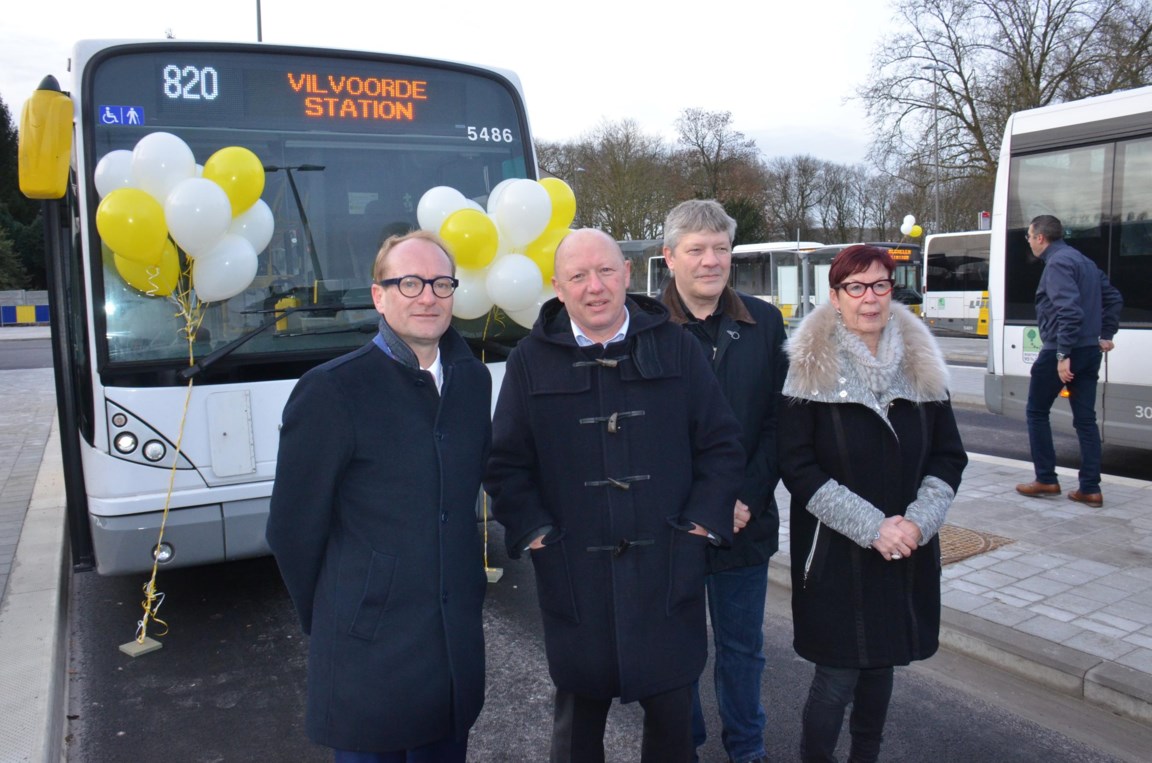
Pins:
x: 941, y: 92
x: 794, y: 192
x: 626, y: 181
x: 713, y: 153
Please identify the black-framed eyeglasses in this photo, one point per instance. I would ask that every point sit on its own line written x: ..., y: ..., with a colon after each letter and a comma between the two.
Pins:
x: 413, y: 286
x: 857, y: 288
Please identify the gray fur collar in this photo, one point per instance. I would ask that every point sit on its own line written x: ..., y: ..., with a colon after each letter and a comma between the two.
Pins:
x: 831, y: 365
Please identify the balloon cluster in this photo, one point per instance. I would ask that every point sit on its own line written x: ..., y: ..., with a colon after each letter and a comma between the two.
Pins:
x: 910, y: 228
x: 155, y: 198
x: 503, y: 253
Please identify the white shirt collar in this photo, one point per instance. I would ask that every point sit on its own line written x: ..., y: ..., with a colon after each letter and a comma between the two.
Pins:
x: 583, y: 340
x: 437, y: 370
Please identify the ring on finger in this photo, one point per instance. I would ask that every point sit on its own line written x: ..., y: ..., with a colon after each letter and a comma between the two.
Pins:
x: 896, y: 555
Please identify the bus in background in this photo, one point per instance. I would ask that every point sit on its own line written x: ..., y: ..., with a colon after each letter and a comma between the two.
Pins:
x: 350, y: 141
x: 956, y: 280
x: 768, y: 270
x: 773, y: 271
x: 785, y: 272
x: 797, y: 273
x: 1089, y: 163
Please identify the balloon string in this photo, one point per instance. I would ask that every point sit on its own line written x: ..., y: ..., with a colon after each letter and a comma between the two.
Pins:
x: 152, y: 272
x: 193, y: 313
x: 484, y: 359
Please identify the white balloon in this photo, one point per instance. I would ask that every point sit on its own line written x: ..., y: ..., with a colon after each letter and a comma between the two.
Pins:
x: 225, y: 270
x: 494, y: 194
x: 159, y: 162
x: 514, y: 281
x: 522, y: 212
x: 909, y: 220
x: 906, y: 229
x: 435, y: 206
x: 527, y: 316
x: 256, y: 224
x: 471, y: 299
x: 472, y: 204
x: 198, y: 213
x: 114, y: 171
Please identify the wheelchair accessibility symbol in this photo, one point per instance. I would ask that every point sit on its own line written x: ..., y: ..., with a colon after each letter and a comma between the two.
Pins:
x: 132, y: 116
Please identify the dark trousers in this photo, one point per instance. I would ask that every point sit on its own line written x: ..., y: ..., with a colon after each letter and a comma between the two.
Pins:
x: 1043, y: 389
x: 444, y: 751
x: 578, y: 728
x: 869, y: 691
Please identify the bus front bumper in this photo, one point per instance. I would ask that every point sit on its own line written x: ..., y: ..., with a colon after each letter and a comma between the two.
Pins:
x: 192, y: 536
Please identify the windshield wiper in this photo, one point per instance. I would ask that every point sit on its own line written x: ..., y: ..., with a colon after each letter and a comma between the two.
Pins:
x: 241, y: 340
x: 365, y: 327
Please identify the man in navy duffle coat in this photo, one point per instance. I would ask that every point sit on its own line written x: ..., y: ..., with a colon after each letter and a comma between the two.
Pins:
x: 373, y: 522
x: 617, y: 461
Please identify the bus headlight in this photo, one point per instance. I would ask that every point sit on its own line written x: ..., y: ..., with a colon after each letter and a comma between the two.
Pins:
x: 154, y: 450
x: 125, y: 442
x: 163, y: 553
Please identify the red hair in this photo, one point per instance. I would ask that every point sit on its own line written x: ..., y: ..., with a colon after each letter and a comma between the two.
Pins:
x: 856, y: 259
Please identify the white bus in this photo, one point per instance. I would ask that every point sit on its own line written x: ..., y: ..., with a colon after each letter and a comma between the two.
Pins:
x: 1089, y: 163
x: 956, y: 280
x: 769, y: 270
x: 349, y: 142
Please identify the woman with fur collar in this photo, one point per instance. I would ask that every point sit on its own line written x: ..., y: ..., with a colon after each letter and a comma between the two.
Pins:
x: 871, y: 456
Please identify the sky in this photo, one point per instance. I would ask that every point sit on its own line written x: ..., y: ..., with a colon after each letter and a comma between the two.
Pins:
x: 787, y: 75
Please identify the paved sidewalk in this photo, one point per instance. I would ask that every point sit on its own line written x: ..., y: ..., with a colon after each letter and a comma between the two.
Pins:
x: 1067, y: 603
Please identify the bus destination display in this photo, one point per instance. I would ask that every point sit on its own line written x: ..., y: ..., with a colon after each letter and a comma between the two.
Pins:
x: 296, y: 92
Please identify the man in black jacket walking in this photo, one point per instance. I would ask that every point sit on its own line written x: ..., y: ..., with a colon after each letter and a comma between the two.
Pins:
x: 743, y: 337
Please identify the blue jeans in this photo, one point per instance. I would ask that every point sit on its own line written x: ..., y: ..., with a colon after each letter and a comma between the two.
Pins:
x: 736, y: 607
x: 1043, y: 390
x: 869, y: 691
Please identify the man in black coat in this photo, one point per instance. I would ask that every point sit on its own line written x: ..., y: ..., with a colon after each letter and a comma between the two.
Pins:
x: 616, y: 463
x: 373, y: 522
x: 744, y: 338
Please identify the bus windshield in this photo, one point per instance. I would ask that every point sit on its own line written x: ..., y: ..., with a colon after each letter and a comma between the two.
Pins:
x: 349, y: 145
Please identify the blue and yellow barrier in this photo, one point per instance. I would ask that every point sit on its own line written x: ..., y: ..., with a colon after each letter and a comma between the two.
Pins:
x: 24, y: 315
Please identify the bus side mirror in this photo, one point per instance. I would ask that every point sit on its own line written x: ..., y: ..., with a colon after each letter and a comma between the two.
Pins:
x: 45, y: 142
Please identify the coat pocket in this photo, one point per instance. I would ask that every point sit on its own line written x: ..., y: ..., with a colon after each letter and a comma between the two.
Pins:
x: 374, y: 600
x: 554, y: 578
x: 687, y: 565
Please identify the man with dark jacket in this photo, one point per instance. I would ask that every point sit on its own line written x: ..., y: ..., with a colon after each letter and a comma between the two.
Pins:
x: 744, y: 338
x: 1078, y: 312
x: 373, y: 523
x: 615, y: 463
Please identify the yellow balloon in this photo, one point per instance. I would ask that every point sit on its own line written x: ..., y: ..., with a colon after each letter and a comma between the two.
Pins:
x: 472, y: 237
x: 240, y: 173
x: 155, y: 280
x: 563, y: 202
x: 916, y: 231
x: 542, y: 251
x: 131, y: 223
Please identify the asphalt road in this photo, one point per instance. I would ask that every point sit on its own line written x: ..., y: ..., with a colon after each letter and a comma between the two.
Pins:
x: 25, y: 353
x: 228, y: 685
